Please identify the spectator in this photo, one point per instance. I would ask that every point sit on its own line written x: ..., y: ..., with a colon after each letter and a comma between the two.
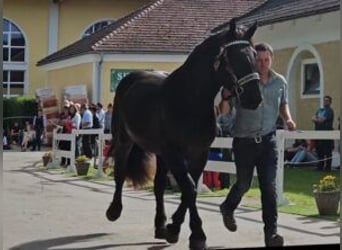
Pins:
x: 5, y: 144
x: 86, y: 123
x: 108, y: 119
x: 65, y: 126
x: 75, y: 124
x: 39, y: 125
x: 301, y: 152
x: 323, y: 120
x: 100, y: 113
x: 96, y: 125
x: 15, y: 134
x: 28, y: 136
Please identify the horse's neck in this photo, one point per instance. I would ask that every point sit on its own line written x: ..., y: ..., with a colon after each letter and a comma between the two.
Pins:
x: 195, y: 86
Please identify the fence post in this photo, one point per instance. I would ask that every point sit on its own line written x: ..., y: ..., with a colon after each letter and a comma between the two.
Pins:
x: 71, y: 167
x: 55, y: 161
x: 281, y: 200
x: 100, y: 172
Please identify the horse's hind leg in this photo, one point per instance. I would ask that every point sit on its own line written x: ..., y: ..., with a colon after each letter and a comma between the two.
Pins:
x: 120, y: 158
x: 159, y: 188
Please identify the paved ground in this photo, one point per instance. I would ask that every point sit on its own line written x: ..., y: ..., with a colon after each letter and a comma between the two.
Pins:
x: 47, y: 210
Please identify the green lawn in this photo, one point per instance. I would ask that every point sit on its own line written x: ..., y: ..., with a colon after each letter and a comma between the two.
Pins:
x: 297, y: 189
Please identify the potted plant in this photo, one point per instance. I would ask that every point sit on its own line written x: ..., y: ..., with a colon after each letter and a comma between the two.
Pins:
x: 82, y: 165
x: 327, y: 195
x: 47, y: 157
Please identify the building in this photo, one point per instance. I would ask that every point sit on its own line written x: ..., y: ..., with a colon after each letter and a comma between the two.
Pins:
x: 33, y: 29
x: 158, y: 35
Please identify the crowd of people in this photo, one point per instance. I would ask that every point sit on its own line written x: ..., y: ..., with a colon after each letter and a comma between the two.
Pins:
x: 31, y: 135
x: 76, y: 116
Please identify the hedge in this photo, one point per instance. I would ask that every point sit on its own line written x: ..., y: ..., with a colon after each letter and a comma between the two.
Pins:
x: 18, y: 109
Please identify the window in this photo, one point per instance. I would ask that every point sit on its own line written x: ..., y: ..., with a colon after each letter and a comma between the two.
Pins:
x: 13, y: 43
x: 13, y: 82
x: 96, y: 26
x: 311, y: 80
x: 14, y: 66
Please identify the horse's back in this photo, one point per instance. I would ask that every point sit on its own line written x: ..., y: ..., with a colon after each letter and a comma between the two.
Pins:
x: 140, y: 107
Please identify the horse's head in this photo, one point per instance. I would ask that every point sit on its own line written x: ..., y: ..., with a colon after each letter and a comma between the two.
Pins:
x: 235, y: 65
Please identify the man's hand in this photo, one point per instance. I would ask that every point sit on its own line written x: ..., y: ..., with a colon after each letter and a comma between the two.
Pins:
x: 291, y: 125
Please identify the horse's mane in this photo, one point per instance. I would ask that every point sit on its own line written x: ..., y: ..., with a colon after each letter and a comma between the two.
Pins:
x: 215, y: 40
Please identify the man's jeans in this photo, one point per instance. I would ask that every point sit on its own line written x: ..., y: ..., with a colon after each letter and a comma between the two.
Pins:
x: 249, y: 153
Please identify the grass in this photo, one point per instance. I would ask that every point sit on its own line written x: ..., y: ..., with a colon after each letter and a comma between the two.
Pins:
x: 297, y: 190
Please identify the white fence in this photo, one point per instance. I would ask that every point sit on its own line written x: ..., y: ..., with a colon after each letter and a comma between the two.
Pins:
x: 58, y: 153
x: 219, y: 142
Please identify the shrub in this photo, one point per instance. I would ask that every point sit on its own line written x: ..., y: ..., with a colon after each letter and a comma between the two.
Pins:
x: 326, y: 184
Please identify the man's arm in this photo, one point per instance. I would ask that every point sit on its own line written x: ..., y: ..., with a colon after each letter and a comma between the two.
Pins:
x: 286, y: 116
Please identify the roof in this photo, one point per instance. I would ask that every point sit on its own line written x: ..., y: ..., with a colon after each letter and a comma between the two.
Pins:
x: 164, y: 26
x: 274, y: 11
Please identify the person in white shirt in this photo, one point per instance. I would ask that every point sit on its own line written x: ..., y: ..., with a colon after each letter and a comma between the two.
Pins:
x: 100, y: 113
x: 86, y: 123
x: 76, y: 123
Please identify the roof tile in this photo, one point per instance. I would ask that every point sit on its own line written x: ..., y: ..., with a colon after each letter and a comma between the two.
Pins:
x: 164, y: 26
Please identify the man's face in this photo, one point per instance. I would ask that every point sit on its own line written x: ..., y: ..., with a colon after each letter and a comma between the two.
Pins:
x: 264, y: 61
x: 326, y: 102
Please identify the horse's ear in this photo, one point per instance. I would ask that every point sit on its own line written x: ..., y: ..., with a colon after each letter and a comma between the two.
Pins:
x: 251, y: 30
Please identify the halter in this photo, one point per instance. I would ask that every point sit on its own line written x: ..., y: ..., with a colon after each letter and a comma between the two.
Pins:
x: 247, y: 78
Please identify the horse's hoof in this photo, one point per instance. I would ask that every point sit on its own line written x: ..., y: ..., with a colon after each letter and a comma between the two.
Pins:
x: 113, y: 212
x: 172, y: 235
x: 198, y: 245
x: 160, y: 233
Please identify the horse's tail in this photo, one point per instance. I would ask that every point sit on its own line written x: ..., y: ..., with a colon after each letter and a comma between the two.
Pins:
x: 138, y: 167
x: 116, y: 125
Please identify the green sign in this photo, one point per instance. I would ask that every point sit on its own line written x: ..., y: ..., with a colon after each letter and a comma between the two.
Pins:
x: 116, y: 75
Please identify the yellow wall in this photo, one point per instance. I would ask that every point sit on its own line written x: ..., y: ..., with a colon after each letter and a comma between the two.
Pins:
x: 330, y: 56
x: 32, y: 19
x: 32, y: 16
x: 83, y: 15
x: 74, y: 75
x: 306, y: 108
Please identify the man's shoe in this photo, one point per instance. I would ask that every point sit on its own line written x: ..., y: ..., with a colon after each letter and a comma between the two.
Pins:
x: 228, y: 219
x: 275, y: 240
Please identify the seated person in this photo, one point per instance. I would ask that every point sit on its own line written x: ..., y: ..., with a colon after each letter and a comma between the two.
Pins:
x: 303, y: 152
x: 5, y: 144
x: 28, y: 137
x: 15, y: 134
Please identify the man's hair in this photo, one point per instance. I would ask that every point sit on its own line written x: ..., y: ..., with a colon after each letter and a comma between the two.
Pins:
x: 264, y: 47
x: 328, y: 97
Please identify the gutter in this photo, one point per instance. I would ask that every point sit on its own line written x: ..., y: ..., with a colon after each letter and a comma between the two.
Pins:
x: 97, y: 86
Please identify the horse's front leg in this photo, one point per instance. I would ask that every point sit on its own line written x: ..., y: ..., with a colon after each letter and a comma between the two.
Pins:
x: 120, y: 158
x: 189, y: 192
x: 159, y: 188
x: 197, y: 237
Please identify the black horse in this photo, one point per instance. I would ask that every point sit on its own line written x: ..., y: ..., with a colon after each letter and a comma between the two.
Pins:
x: 173, y: 117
